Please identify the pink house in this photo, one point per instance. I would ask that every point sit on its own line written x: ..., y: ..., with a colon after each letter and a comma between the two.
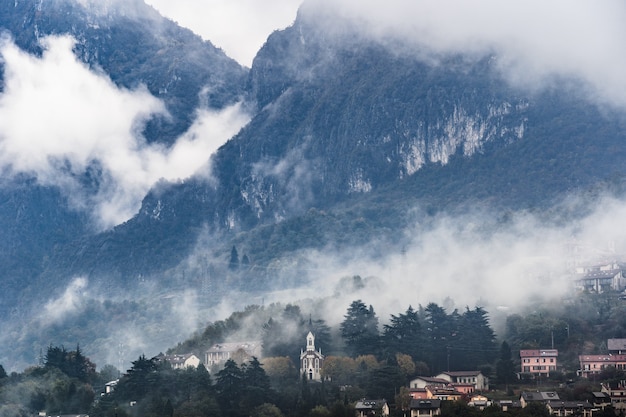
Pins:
x: 538, y: 361
x: 594, y: 364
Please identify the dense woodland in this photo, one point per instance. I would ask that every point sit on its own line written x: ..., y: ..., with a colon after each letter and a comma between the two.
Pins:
x: 364, y: 359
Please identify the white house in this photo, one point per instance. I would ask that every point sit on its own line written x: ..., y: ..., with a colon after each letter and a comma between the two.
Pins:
x: 475, y: 380
x: 238, y: 351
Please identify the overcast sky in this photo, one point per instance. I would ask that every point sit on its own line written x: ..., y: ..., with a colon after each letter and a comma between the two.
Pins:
x: 239, y: 27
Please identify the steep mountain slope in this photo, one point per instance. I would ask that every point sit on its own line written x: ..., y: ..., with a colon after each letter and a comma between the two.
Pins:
x: 349, y: 136
x: 351, y: 142
x: 132, y: 45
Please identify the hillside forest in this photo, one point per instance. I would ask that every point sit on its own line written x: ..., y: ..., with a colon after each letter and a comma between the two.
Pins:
x: 363, y: 359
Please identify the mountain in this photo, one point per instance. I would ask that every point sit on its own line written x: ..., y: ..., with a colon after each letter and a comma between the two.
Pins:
x: 343, y: 124
x: 132, y: 45
x: 351, y: 143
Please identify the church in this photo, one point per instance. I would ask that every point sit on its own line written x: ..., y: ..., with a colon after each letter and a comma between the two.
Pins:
x: 311, y: 361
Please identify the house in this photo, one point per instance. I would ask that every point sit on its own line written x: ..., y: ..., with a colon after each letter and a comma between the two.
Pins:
x: 538, y: 396
x: 539, y: 362
x: 601, y: 278
x: 418, y: 393
x: 448, y: 393
x: 570, y: 408
x: 188, y: 360
x: 466, y: 381
x: 238, y: 351
x: 617, y: 392
x: 616, y: 346
x: 479, y: 401
x: 601, y: 399
x: 594, y: 364
x: 109, y: 387
x: 366, y: 408
x: 425, y: 408
x: 424, y: 381
x: 311, y: 361
x: 508, y: 405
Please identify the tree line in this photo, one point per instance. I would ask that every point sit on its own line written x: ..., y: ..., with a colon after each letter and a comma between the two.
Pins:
x: 362, y: 359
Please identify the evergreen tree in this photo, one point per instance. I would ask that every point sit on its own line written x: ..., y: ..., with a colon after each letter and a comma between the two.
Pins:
x: 475, y: 343
x: 439, y: 332
x: 233, y: 264
x: 359, y: 330
x: 230, y: 388
x: 403, y: 334
x: 505, y: 368
x: 256, y: 385
x: 140, y: 379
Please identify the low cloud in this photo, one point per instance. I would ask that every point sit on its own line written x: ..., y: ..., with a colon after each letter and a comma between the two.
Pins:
x: 59, y: 120
x: 467, y: 260
x: 535, y: 42
x: 70, y: 302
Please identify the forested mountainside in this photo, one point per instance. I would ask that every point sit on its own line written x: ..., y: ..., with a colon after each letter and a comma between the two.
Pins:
x: 349, y: 143
x: 133, y: 46
x: 349, y: 135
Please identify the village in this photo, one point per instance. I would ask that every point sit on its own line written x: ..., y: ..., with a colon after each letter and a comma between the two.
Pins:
x: 427, y: 393
x: 472, y: 387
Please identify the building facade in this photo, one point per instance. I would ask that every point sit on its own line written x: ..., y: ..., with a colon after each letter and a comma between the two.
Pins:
x: 311, y: 360
x: 539, y: 362
x: 594, y: 364
x: 239, y: 352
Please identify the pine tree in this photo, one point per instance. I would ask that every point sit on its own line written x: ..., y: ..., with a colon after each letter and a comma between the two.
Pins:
x: 233, y: 264
x: 359, y: 330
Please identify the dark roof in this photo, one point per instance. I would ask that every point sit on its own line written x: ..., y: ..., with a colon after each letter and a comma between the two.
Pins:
x: 366, y: 404
x: 616, y: 344
x: 462, y: 373
x: 601, y: 396
x: 540, y: 396
x: 525, y: 353
x: 431, y: 404
x: 509, y: 403
x: 570, y: 404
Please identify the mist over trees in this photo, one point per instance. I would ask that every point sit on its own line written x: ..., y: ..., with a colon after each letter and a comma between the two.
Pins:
x: 362, y: 360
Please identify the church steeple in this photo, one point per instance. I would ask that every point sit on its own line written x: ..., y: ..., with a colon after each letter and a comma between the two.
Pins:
x: 310, y: 342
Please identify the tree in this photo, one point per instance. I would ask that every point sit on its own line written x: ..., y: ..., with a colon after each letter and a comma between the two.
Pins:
x: 406, y: 364
x: 403, y: 334
x: 474, y: 344
x: 505, y: 367
x: 229, y: 387
x: 339, y: 369
x: 403, y: 399
x: 72, y: 363
x: 256, y: 385
x: 3, y: 373
x: 233, y: 264
x: 359, y: 329
x: 439, y: 331
x: 140, y: 379
x: 267, y: 410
